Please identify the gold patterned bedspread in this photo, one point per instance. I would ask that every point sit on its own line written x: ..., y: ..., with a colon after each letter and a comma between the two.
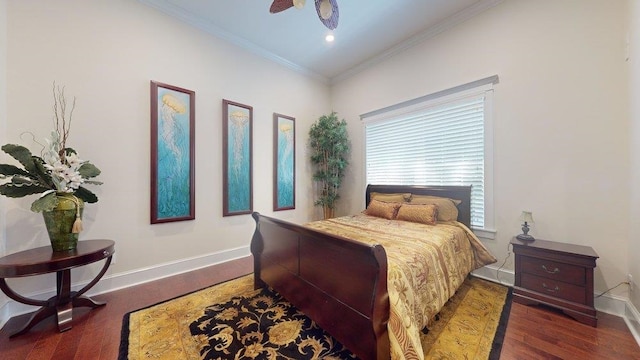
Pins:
x: 426, y: 265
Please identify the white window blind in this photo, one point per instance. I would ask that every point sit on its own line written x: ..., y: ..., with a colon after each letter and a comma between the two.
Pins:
x: 439, y: 144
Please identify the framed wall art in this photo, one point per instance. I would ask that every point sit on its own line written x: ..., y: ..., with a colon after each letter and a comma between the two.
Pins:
x: 284, y: 162
x: 172, y: 153
x: 237, y: 146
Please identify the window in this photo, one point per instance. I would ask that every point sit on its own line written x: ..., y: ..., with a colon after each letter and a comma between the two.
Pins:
x: 439, y: 139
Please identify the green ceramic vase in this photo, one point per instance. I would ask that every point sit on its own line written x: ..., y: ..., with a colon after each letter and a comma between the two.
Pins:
x: 60, y: 221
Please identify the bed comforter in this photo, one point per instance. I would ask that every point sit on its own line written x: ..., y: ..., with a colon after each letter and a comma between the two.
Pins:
x: 426, y: 265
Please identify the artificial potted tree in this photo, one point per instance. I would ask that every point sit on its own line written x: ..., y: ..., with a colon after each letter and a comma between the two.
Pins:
x: 329, y: 143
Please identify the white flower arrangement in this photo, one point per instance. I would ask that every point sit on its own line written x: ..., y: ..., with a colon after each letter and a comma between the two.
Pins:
x: 58, y: 170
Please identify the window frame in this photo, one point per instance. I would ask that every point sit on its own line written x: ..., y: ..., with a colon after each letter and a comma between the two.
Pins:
x: 477, y: 88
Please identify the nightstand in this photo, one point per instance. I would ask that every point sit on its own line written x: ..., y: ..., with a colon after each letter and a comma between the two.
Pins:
x: 556, y: 274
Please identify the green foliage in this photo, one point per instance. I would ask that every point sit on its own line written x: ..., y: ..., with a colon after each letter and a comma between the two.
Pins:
x: 45, y: 203
x: 35, y: 178
x: 11, y: 170
x: 23, y: 155
x: 330, y: 147
x: 32, y: 180
x: 88, y: 171
x: 17, y: 188
x: 86, y: 195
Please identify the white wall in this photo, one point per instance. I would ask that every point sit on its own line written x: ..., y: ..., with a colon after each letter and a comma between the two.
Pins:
x: 634, y: 95
x: 3, y: 105
x: 3, y: 125
x: 560, y: 117
x: 105, y: 52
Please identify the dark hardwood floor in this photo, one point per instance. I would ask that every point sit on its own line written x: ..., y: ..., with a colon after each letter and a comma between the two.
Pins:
x: 96, y: 333
x: 537, y: 332
x: 532, y: 333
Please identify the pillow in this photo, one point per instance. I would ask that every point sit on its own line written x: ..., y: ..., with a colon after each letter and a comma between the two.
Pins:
x: 447, y: 209
x: 395, y: 197
x: 425, y: 214
x: 381, y: 209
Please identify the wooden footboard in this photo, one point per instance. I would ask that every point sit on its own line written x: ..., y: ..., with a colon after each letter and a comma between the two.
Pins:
x: 339, y: 283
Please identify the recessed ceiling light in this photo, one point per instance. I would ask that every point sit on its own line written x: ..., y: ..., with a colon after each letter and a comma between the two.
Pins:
x: 329, y: 38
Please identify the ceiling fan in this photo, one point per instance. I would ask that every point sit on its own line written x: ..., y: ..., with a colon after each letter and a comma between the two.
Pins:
x: 327, y: 10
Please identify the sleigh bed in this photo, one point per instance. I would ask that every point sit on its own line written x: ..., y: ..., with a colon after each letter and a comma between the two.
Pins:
x: 346, y: 273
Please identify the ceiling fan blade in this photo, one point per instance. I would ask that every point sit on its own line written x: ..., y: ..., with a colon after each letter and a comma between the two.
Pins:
x: 280, y: 5
x: 328, y: 15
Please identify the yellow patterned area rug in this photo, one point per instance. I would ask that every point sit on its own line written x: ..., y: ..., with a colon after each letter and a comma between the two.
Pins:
x: 233, y: 321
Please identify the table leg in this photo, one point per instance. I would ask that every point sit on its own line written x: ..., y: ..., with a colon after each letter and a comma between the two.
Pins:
x: 64, y: 306
x: 107, y: 262
x: 44, y: 312
x: 85, y: 301
x: 36, y: 317
x: 67, y: 299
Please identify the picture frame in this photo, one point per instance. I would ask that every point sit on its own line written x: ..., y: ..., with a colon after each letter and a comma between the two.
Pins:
x: 172, y: 153
x: 237, y: 152
x: 284, y: 162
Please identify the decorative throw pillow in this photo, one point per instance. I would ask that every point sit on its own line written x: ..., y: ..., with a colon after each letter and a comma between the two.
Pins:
x: 381, y: 209
x: 394, y: 197
x: 425, y: 214
x: 447, y: 209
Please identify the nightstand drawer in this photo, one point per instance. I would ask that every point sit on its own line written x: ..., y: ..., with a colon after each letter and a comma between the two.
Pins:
x: 554, y: 288
x: 554, y: 270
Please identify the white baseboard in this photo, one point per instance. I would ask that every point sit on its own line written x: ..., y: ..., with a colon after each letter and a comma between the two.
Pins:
x: 4, y: 312
x: 632, y: 318
x: 609, y: 304
x: 11, y: 308
x: 492, y: 273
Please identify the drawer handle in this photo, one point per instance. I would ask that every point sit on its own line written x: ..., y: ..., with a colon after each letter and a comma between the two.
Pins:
x: 554, y: 271
x: 556, y: 289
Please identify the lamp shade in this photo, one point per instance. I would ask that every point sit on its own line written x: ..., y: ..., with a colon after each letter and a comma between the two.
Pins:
x: 526, y: 216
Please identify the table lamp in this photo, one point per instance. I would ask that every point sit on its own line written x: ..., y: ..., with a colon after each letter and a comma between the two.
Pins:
x: 527, y: 218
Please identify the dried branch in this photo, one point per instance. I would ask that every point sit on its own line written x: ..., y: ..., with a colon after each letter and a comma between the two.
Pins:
x: 62, y: 124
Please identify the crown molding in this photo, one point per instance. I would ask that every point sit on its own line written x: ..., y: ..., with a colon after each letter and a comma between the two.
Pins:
x: 206, y: 26
x: 432, y: 31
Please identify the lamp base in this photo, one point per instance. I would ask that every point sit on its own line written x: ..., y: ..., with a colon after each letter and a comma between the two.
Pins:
x: 525, y: 237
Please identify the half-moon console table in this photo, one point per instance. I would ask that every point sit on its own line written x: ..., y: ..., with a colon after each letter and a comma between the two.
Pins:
x: 44, y: 260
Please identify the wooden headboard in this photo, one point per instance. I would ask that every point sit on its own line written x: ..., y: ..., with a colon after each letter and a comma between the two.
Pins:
x: 462, y: 193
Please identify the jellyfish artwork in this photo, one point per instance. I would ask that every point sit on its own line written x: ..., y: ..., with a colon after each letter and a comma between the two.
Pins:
x: 173, y: 157
x: 285, y: 187
x: 239, y: 120
x: 171, y: 129
x: 285, y: 157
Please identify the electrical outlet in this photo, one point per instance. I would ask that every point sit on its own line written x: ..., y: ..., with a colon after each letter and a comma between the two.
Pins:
x: 630, y: 281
